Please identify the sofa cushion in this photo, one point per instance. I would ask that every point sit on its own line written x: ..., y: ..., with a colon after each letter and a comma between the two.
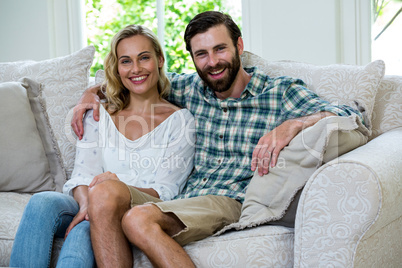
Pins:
x: 336, y: 83
x: 63, y: 80
x: 29, y: 159
x: 11, y: 208
x: 264, y: 246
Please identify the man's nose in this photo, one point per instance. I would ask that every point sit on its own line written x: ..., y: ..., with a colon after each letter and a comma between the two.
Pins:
x: 213, y: 60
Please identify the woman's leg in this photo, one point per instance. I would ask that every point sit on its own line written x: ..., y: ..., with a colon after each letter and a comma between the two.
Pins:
x: 77, y: 249
x: 46, y: 215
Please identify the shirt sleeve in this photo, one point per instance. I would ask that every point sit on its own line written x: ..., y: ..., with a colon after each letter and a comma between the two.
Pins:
x: 299, y: 101
x: 88, y: 156
x: 180, y: 85
x: 178, y: 160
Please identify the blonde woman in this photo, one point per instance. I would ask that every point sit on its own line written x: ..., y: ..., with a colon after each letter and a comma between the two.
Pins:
x: 142, y: 148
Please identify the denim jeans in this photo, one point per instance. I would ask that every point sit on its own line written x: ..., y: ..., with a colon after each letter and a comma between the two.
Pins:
x: 47, y: 215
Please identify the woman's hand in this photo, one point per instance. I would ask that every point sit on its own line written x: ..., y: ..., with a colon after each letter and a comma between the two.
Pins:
x: 81, y: 216
x: 103, y: 177
x: 80, y: 194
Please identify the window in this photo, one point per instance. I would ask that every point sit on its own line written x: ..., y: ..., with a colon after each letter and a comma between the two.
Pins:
x: 167, y: 18
x: 387, y: 34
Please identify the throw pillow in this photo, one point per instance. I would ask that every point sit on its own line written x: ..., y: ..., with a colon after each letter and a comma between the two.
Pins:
x: 268, y: 198
x: 29, y: 158
x: 355, y: 86
x: 63, y: 80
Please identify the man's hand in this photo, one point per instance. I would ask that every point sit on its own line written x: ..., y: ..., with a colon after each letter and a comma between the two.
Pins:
x: 265, y: 154
x: 103, y: 177
x: 89, y: 100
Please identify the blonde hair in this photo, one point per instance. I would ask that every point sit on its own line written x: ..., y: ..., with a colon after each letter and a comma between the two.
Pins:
x: 118, y: 97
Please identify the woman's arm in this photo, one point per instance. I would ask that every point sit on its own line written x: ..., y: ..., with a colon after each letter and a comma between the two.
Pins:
x: 88, y: 158
x: 81, y: 196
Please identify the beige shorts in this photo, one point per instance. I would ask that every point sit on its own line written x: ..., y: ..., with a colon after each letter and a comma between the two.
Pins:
x: 202, y: 216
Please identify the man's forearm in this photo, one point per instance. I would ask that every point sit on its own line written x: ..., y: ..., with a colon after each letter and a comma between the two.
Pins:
x: 309, y: 120
x: 97, y: 90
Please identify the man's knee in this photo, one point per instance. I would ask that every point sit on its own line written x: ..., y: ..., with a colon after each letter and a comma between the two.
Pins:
x: 140, y: 219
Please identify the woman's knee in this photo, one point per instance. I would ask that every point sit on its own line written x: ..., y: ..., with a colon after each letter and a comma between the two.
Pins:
x: 46, y: 202
x: 108, y: 196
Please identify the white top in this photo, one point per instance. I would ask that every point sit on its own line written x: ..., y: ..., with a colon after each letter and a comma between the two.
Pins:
x: 161, y: 159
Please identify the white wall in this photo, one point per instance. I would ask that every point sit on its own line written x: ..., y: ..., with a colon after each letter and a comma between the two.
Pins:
x: 24, y: 30
x: 315, y: 31
x: 40, y: 29
x: 319, y: 32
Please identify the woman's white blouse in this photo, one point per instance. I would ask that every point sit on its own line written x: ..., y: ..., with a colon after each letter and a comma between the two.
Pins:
x: 161, y: 159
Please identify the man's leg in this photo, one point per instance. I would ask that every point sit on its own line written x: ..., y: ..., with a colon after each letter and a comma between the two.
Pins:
x: 108, y: 201
x: 151, y: 226
x: 151, y: 230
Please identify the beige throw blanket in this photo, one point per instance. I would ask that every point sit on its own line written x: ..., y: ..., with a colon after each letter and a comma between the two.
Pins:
x: 269, y: 198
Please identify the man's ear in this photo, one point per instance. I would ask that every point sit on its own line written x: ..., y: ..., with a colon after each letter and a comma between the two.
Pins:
x: 240, y: 45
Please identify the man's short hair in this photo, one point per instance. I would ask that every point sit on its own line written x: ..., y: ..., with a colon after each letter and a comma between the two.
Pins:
x: 206, y: 20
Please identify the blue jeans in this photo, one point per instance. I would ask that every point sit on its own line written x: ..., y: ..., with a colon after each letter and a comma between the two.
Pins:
x: 47, y: 215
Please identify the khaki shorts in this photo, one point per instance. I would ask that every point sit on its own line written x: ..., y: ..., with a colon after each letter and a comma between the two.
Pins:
x: 202, y: 216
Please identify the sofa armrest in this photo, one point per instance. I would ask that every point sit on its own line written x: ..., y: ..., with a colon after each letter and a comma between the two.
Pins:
x: 349, y: 200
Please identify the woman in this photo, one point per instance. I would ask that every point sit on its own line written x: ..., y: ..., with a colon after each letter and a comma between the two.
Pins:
x: 140, y: 139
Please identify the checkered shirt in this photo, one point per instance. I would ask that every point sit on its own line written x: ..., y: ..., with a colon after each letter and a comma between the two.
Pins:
x: 227, y: 131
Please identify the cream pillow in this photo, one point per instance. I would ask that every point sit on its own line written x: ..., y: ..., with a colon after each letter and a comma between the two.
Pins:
x: 336, y: 83
x: 63, y: 80
x: 29, y: 159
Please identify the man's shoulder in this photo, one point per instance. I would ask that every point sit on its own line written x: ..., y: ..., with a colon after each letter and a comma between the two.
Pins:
x: 183, y: 77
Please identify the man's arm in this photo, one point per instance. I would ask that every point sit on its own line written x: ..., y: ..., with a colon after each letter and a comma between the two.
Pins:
x: 265, y: 154
x: 90, y: 99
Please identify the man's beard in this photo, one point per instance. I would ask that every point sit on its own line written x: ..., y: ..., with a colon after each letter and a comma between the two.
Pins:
x: 223, y: 84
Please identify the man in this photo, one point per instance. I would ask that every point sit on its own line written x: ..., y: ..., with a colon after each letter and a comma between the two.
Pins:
x: 243, y: 120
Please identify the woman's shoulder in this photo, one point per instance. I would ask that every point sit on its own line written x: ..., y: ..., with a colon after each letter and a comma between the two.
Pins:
x: 173, y: 110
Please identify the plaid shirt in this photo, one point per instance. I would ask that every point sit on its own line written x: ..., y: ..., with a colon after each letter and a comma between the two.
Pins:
x: 227, y: 131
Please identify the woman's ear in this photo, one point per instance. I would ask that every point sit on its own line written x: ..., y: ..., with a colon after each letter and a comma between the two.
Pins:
x: 161, y: 61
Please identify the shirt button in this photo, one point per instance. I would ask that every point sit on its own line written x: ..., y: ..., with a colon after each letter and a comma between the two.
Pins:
x: 225, y: 110
x: 219, y: 161
x: 221, y: 136
x: 204, y: 179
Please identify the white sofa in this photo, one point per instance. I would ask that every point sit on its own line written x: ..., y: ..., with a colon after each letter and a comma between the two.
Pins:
x: 348, y: 214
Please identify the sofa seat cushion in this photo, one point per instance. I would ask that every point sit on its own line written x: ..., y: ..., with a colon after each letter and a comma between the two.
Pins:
x: 11, y: 208
x: 263, y: 246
